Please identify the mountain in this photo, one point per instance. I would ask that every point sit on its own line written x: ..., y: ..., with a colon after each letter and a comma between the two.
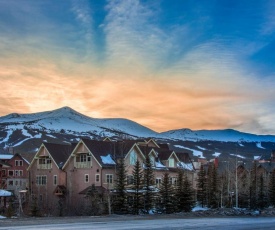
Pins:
x: 26, y: 132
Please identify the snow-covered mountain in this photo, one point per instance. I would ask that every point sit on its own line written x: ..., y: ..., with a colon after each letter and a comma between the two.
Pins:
x: 217, y: 135
x: 67, y: 125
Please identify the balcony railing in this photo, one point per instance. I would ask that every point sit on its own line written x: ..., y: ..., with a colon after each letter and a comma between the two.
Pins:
x: 86, y: 164
x: 44, y: 166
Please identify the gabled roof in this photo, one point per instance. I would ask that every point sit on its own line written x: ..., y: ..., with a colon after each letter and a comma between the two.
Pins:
x: 99, y: 189
x: 164, y: 155
x: 21, y: 157
x: 100, y: 149
x: 58, y: 152
x: 5, y: 164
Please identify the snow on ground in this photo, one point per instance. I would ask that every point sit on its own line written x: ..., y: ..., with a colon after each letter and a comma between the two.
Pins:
x: 237, y: 155
x: 216, y: 154
x: 240, y: 144
x: 259, y: 145
x: 6, y: 139
x: 200, y: 147
x: 107, y: 160
x: 196, y: 153
x: 2, y: 217
x: 199, y: 208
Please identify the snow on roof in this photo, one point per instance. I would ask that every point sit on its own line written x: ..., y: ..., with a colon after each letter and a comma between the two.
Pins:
x: 159, y: 165
x: 257, y: 157
x: 107, y: 160
x: 5, y: 193
x: 216, y: 154
x: 6, y: 156
x: 183, y: 165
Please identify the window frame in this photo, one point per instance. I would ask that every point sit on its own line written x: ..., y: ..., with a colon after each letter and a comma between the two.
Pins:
x: 109, y: 178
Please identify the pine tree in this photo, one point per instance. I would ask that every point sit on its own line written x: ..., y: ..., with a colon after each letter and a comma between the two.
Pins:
x: 271, y: 189
x: 166, y: 195
x: 201, y: 187
x: 120, y: 202
x: 187, y: 195
x: 148, y: 184
x: 179, y: 191
x: 253, y: 187
x: 94, y: 200
x: 137, y: 187
x: 213, y: 188
x: 262, y: 197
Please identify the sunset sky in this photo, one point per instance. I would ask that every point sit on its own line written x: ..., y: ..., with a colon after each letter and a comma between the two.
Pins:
x: 166, y: 64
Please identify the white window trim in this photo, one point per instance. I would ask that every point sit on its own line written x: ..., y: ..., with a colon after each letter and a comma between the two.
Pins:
x: 98, y: 178
x: 55, y: 180
x: 112, y: 176
x: 86, y: 176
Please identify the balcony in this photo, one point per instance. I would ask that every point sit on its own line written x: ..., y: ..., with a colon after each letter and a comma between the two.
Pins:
x: 44, y: 166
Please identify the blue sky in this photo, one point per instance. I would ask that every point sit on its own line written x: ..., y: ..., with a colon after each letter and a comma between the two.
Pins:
x: 164, y: 64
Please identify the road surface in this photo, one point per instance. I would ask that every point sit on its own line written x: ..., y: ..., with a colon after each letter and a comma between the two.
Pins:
x: 265, y: 223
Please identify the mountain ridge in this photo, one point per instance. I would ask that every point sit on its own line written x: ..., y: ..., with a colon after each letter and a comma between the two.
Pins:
x: 67, y: 125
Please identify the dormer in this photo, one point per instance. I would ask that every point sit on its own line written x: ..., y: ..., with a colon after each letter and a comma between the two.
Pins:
x: 82, y: 158
x: 44, y: 160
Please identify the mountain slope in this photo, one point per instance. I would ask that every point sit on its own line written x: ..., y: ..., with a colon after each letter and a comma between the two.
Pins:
x: 25, y: 132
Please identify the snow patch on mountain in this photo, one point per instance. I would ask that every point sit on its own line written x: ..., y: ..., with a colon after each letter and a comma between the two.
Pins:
x: 259, y: 145
x: 194, y: 151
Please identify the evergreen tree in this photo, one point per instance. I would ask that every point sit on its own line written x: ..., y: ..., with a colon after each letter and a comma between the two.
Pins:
x: 179, y: 191
x: 187, y: 196
x: 271, y: 189
x: 120, y: 202
x: 201, y: 187
x: 93, y: 201
x: 166, y: 194
x: 253, y: 187
x: 148, y: 184
x: 137, y: 187
x: 262, y: 197
x: 213, y: 188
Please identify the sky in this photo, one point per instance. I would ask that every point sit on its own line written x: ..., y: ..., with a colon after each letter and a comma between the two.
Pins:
x: 165, y: 64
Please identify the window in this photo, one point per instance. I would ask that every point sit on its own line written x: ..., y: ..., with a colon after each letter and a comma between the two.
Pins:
x: 171, y: 162
x: 133, y: 158
x: 130, y: 179
x: 18, y: 163
x: 97, y: 177
x: 54, y: 179
x: 18, y: 172
x: 3, y: 172
x: 158, y: 182
x: 83, y: 161
x: 44, y: 163
x: 10, y: 172
x: 16, y: 182
x: 11, y: 182
x: 109, y: 178
x: 41, y: 180
x: 86, y: 178
x: 173, y: 180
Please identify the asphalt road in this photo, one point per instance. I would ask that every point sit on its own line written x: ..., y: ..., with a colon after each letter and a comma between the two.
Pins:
x: 135, y: 224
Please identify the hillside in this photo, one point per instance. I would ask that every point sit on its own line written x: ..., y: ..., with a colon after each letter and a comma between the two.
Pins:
x: 25, y: 132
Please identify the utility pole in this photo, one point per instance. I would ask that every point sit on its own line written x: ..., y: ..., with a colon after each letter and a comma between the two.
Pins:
x: 236, y: 180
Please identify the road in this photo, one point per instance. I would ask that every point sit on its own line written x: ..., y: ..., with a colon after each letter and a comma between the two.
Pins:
x: 162, y: 224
